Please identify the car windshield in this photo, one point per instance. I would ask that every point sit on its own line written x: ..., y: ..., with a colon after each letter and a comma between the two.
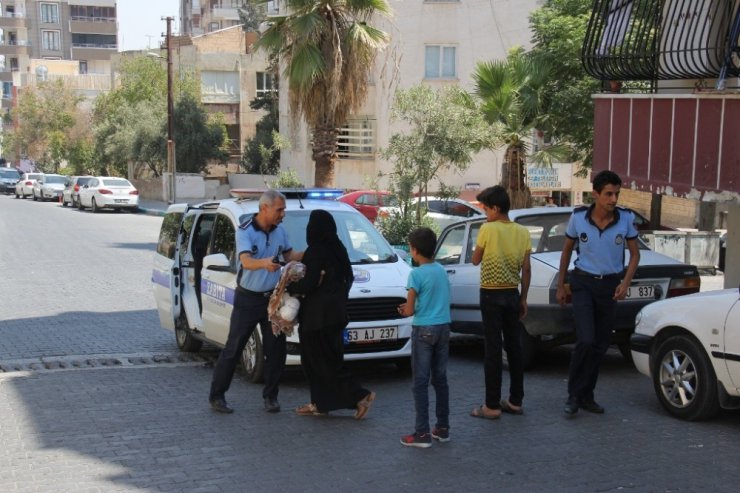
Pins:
x: 116, y: 182
x: 55, y: 179
x: 9, y: 173
x: 363, y: 242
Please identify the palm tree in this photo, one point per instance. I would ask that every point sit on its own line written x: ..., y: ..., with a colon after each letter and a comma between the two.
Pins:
x: 327, y: 49
x: 512, y: 95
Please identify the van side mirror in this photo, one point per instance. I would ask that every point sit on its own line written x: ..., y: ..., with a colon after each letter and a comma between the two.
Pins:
x: 217, y: 262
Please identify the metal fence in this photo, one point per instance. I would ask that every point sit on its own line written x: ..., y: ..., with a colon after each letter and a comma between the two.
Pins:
x: 663, y: 39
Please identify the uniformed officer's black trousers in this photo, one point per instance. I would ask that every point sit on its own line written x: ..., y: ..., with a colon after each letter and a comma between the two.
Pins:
x: 249, y: 310
x: 594, y: 310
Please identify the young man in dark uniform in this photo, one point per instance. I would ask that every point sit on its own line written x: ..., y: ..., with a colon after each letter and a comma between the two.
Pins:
x: 258, y: 242
x: 599, y: 234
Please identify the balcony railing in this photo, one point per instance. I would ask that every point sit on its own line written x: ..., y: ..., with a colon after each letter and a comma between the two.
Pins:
x: 662, y: 39
x: 82, y: 18
x: 15, y: 42
x: 13, y: 15
x: 108, y: 46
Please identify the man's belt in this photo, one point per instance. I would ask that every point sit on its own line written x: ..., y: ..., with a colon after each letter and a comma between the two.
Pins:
x: 583, y: 273
x: 262, y: 294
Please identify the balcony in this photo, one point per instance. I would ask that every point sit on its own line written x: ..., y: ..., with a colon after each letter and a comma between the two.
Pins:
x: 663, y: 40
x: 227, y: 13
x: 12, y: 19
x: 91, y: 83
x: 93, y: 25
x: 14, y: 47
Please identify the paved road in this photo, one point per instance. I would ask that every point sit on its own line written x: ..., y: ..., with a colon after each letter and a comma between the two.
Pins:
x: 93, y: 397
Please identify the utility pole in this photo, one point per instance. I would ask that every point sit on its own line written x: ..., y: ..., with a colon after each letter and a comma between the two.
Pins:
x: 170, y: 123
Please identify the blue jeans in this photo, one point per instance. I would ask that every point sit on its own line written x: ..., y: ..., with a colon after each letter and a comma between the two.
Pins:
x: 430, y: 345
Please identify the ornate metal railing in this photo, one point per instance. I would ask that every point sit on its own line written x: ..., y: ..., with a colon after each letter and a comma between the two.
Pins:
x: 663, y: 39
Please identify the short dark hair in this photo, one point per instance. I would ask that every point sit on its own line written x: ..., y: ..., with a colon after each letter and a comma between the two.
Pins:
x: 495, y: 196
x: 604, y: 178
x: 423, y: 240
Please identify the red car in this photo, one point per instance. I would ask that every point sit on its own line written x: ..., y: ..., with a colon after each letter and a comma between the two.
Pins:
x: 368, y: 201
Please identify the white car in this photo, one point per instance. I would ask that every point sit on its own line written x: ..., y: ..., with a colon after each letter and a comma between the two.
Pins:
x: 48, y: 187
x: 443, y: 211
x: 24, y: 187
x: 690, y: 348
x: 107, y: 192
x: 547, y: 323
x: 194, y: 278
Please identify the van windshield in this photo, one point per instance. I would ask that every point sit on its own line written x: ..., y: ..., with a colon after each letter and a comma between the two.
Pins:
x: 363, y: 242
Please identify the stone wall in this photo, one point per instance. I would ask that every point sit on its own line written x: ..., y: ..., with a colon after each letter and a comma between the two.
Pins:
x: 676, y: 212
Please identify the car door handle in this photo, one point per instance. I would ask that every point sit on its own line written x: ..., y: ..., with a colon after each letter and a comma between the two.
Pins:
x: 451, y: 271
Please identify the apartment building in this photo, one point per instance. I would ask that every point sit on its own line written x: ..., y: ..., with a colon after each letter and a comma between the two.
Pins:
x: 206, y: 16
x: 83, y: 31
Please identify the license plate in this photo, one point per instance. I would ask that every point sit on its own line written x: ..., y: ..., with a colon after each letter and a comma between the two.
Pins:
x: 366, y: 336
x: 121, y: 201
x: 640, y: 292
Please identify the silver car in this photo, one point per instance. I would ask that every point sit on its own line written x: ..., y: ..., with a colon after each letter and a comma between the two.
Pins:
x: 547, y: 323
x: 48, y: 187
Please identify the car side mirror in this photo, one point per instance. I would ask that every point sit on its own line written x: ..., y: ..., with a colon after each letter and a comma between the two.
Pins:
x: 217, y: 262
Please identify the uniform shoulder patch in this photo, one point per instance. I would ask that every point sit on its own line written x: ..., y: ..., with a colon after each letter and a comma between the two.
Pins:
x: 246, y: 223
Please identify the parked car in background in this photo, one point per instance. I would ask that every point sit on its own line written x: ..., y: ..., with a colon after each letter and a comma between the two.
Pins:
x: 9, y: 177
x: 690, y: 348
x: 48, y: 186
x: 368, y: 202
x: 643, y: 224
x: 722, y: 251
x: 106, y: 192
x: 24, y: 187
x: 442, y: 211
x: 547, y: 323
x: 71, y: 194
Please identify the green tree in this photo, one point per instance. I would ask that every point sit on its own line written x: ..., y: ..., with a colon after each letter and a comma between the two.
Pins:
x: 445, y: 129
x: 327, y: 49
x: 47, y: 115
x: 257, y: 157
x: 512, y: 95
x: 559, y: 28
x: 198, y: 139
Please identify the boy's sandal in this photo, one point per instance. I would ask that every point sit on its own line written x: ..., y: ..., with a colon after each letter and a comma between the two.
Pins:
x: 309, y: 410
x: 478, y: 412
x: 363, y: 406
x: 510, y: 408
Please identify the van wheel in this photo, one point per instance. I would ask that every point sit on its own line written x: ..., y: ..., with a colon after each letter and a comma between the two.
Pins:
x: 253, y: 359
x: 530, y: 348
x: 185, y: 340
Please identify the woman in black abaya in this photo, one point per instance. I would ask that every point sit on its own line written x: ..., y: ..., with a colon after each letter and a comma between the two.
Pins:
x: 322, y: 318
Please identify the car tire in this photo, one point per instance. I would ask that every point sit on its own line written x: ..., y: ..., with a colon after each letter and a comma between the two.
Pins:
x: 23, y: 194
x: 17, y: 195
x: 530, y: 348
x: 64, y: 202
x: 79, y: 205
x: 93, y: 206
x: 626, y: 351
x: 184, y: 337
x: 684, y: 379
x: 34, y: 197
x: 253, y: 359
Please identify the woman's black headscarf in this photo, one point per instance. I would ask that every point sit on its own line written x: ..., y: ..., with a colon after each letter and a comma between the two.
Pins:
x: 322, y: 230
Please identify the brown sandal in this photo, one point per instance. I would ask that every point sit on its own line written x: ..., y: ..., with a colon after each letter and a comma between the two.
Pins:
x: 309, y: 410
x: 363, y: 406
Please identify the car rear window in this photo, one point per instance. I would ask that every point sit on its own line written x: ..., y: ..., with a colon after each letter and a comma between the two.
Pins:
x: 116, y: 182
x: 84, y: 180
x: 55, y: 179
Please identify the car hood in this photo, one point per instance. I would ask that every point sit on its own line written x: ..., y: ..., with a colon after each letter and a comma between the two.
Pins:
x: 9, y: 180
x: 647, y: 258
x: 381, y: 275
x: 708, y: 309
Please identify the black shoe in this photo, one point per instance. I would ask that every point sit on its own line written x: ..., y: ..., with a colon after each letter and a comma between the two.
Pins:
x: 591, y: 406
x: 221, y: 406
x: 272, y: 405
x: 571, y: 406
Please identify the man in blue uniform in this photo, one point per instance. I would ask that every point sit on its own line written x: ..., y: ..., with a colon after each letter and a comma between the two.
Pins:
x: 599, y: 234
x: 259, y: 242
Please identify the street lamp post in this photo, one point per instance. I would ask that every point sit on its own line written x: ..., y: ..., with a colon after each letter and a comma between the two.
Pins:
x: 170, y: 123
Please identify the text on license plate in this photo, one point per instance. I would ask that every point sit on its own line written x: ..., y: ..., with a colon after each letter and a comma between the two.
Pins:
x: 121, y: 201
x: 639, y: 292
x: 376, y: 334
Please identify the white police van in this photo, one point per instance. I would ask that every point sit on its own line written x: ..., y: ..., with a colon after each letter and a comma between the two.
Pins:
x: 194, y: 277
